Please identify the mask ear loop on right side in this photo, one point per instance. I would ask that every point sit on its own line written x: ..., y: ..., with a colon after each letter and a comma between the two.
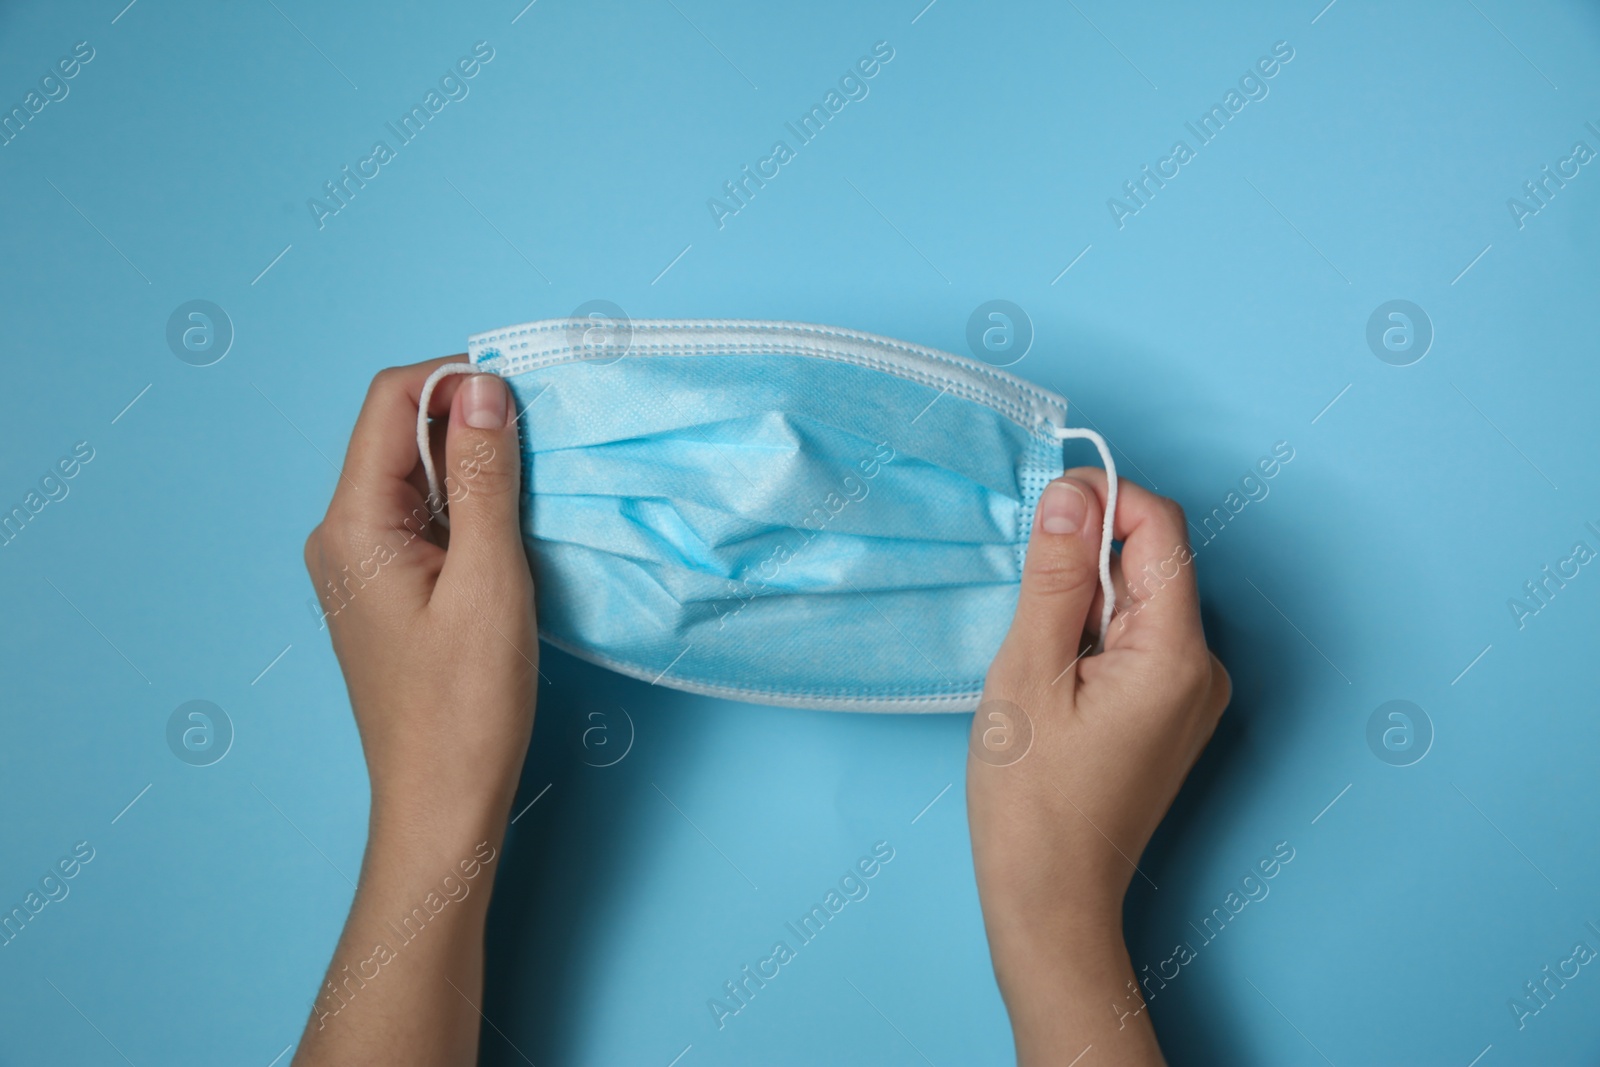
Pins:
x: 436, y: 496
x: 1064, y: 433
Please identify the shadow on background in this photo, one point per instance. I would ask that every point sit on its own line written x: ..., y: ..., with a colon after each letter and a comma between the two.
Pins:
x: 1274, y: 674
x: 1276, y: 682
x: 559, y: 881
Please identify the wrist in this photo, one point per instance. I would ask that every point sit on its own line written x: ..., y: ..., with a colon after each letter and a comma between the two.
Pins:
x: 410, y: 829
x: 1039, y: 916
x: 1083, y: 993
x: 441, y: 791
x: 1064, y: 955
x: 436, y: 867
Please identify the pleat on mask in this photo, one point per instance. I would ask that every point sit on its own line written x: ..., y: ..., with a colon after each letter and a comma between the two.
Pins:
x: 776, y: 512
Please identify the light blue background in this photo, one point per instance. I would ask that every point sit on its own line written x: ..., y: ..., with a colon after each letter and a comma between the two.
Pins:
x: 1221, y: 319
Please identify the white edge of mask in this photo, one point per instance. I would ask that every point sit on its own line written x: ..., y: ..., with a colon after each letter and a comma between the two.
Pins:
x: 518, y: 349
x: 954, y: 702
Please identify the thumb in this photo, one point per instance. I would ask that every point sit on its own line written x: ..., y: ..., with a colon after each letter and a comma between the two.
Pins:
x: 483, y: 481
x: 1059, y: 580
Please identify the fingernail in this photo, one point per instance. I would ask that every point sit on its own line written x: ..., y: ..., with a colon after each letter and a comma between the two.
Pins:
x: 1062, y: 508
x: 483, y: 402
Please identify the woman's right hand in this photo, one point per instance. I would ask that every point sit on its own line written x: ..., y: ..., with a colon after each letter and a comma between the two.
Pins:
x: 1076, y: 758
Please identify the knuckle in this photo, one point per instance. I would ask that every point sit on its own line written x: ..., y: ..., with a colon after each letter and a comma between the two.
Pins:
x: 473, y: 477
x: 313, y: 550
x: 330, y: 531
x: 386, y: 382
x: 1191, y: 677
x: 1221, y: 687
x: 1055, y: 571
x: 340, y: 543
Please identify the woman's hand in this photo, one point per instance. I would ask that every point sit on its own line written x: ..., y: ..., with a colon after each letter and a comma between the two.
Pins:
x: 437, y: 641
x: 1075, y: 759
x: 438, y: 644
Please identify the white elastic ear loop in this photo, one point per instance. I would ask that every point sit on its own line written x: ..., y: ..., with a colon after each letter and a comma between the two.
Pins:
x: 1099, y: 442
x: 436, y: 497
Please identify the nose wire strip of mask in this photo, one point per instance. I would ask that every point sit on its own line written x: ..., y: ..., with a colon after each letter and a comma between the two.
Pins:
x: 436, y: 495
x: 1110, y: 519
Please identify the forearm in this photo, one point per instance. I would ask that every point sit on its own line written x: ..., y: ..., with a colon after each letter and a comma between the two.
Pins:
x: 1069, y: 987
x: 406, y: 982
x: 440, y: 656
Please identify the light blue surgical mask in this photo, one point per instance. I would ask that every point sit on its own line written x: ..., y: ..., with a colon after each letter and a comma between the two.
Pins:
x: 776, y: 512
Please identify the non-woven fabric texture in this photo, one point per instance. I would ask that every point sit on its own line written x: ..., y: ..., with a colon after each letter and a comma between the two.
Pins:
x: 775, y: 512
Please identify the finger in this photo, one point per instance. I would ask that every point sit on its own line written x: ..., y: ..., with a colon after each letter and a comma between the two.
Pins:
x: 375, y: 486
x: 1119, y: 593
x: 438, y: 533
x: 483, y: 484
x: 1162, y: 608
x: 1221, y: 687
x: 1059, y: 580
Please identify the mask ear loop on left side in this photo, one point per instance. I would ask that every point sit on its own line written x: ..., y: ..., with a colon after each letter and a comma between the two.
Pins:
x: 1063, y: 433
x: 436, y: 497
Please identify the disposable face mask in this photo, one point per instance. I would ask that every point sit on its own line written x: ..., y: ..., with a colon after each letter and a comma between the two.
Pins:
x: 775, y: 512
